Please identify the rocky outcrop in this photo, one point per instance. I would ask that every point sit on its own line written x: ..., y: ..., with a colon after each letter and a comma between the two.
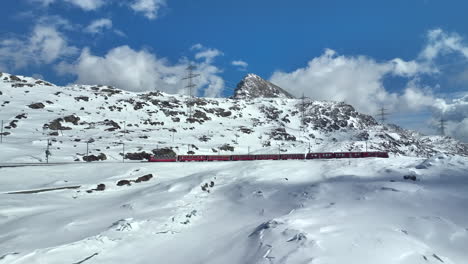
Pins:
x: 253, y: 86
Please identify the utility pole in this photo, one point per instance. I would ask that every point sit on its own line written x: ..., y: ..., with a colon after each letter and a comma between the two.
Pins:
x: 47, y: 151
x: 1, y: 133
x: 382, y: 114
x: 123, y: 150
x: 303, y: 112
x: 248, y: 150
x: 190, y: 87
x: 442, y: 126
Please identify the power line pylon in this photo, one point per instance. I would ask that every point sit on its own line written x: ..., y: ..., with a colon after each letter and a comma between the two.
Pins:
x: 382, y: 114
x: 442, y: 126
x: 190, y: 87
x: 303, y: 112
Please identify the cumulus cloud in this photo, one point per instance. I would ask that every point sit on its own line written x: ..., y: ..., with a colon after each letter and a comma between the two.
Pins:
x: 441, y: 42
x: 149, y: 8
x: 141, y: 70
x: 99, y: 25
x: 86, y: 5
x: 204, y: 53
x: 357, y: 80
x: 45, y: 45
x: 455, y: 113
x: 241, y: 65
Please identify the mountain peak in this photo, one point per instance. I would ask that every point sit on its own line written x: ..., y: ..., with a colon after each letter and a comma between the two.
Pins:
x: 254, y: 86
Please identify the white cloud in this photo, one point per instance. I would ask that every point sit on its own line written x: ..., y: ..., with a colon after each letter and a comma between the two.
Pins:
x: 45, y: 45
x: 205, y: 53
x: 208, y: 54
x: 149, y: 8
x: 455, y: 113
x: 141, y: 70
x: 357, y: 80
x: 197, y: 46
x: 242, y: 65
x: 441, y: 43
x: 99, y: 25
x: 86, y: 5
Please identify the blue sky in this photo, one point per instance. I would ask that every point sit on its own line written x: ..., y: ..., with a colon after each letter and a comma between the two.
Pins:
x: 409, y: 56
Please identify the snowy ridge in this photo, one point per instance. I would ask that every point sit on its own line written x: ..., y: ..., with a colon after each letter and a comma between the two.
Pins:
x: 34, y: 111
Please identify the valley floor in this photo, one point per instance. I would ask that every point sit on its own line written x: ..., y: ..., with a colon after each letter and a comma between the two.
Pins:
x: 334, y: 211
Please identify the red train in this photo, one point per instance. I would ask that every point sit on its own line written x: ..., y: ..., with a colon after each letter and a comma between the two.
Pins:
x: 317, y: 155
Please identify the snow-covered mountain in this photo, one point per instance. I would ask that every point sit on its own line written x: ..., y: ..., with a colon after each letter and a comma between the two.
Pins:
x: 253, y: 86
x: 407, y: 209
x: 105, y: 117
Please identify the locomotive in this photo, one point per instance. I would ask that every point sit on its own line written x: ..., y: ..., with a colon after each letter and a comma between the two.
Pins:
x: 297, y: 156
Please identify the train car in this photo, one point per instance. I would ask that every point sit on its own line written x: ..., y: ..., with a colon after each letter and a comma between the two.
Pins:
x: 242, y: 157
x: 342, y: 155
x: 292, y: 156
x: 162, y: 159
x: 375, y: 154
x: 267, y: 157
x: 327, y: 155
x: 218, y: 158
x: 383, y: 155
x: 355, y: 154
x: 184, y: 158
x: 312, y: 156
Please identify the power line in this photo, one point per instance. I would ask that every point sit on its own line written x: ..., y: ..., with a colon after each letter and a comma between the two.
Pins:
x: 190, y: 87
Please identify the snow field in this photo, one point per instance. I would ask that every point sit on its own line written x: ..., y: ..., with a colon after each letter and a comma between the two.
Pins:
x: 334, y: 211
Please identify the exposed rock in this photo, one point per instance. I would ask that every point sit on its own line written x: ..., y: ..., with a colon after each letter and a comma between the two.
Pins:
x: 164, y: 152
x: 36, y: 106
x: 56, y: 125
x: 82, y: 98
x: 21, y: 116
x: 226, y: 147
x: 144, y: 178
x: 253, y: 86
x: 92, y: 158
x: 72, y: 119
x: 15, y: 78
x: 123, y: 182
x: 137, y: 156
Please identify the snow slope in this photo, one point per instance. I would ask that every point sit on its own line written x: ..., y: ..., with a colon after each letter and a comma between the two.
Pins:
x: 336, y: 211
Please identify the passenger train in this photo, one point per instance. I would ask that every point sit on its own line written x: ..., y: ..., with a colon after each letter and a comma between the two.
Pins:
x: 308, y: 156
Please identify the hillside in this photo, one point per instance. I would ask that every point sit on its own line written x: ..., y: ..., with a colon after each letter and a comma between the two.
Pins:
x: 35, y: 110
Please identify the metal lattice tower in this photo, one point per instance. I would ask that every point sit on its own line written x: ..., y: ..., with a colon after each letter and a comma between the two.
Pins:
x: 303, y: 112
x: 442, y: 126
x: 382, y: 114
x: 190, y: 87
